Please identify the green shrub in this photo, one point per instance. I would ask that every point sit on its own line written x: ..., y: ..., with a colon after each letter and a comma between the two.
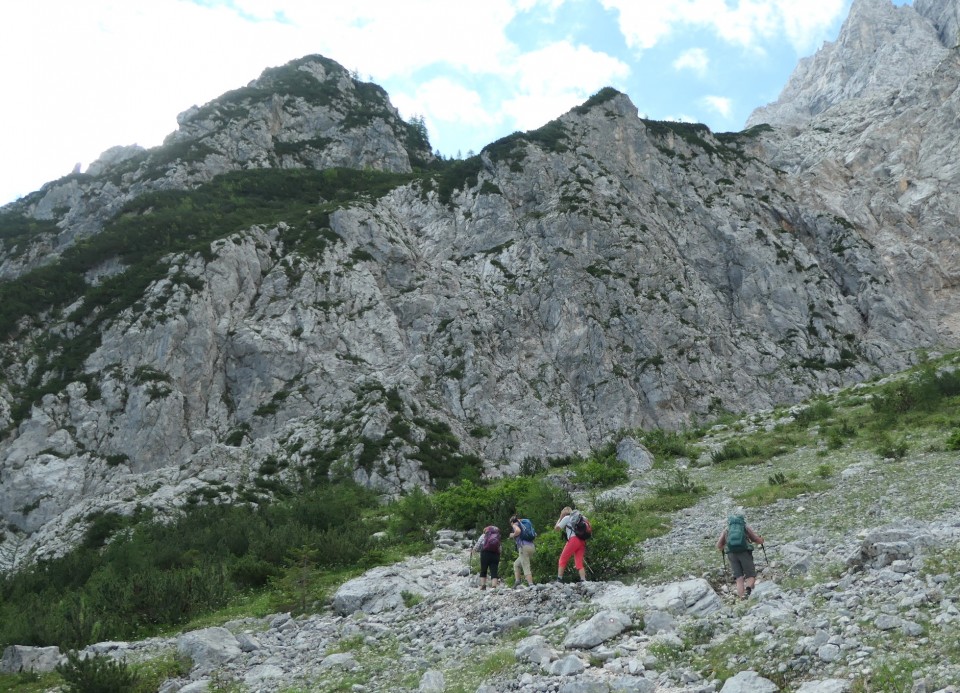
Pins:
x: 735, y: 451
x: 413, y: 515
x: 891, y: 448
x: 470, y: 506
x: 668, y: 444
x: 601, y: 473
x: 97, y: 674
x: 924, y: 391
x: 834, y: 440
x: 157, y: 575
x: 531, y: 466
x: 815, y: 412
x: 680, y: 484
x: 953, y: 440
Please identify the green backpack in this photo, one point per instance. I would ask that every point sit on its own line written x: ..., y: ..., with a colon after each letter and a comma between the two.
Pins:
x: 737, y: 535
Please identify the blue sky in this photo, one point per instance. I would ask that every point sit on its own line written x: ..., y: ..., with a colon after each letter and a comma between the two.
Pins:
x: 81, y: 77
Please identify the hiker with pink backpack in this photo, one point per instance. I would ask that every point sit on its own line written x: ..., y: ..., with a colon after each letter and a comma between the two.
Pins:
x: 488, y: 546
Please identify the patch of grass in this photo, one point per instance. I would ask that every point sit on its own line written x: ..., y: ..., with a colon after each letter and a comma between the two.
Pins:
x: 410, y: 599
x: 890, y: 675
x: 775, y: 490
x: 468, y: 678
x: 29, y: 682
x: 153, y: 672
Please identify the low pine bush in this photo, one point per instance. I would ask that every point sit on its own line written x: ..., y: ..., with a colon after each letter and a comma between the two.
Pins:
x: 97, y: 674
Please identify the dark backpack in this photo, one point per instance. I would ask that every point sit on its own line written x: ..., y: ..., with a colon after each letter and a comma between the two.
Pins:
x: 491, y: 540
x: 581, y: 526
x: 737, y: 535
x: 527, y: 532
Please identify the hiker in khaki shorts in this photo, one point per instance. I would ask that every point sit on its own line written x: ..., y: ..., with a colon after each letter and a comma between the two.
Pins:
x: 737, y: 538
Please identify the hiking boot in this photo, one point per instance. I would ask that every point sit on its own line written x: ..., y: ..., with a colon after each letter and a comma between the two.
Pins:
x: 559, y: 579
x: 749, y: 590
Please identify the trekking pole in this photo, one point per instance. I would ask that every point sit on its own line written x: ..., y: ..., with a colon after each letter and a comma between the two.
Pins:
x: 765, y: 559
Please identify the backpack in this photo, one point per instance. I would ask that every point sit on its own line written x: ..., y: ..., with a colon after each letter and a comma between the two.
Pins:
x: 581, y: 526
x: 737, y: 535
x: 491, y: 540
x: 527, y: 532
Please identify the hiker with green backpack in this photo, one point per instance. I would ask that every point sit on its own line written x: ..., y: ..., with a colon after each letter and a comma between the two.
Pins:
x: 736, y: 538
x: 523, y: 533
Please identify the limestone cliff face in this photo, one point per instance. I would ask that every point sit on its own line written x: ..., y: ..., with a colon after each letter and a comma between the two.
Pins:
x: 599, y: 274
x: 879, y: 147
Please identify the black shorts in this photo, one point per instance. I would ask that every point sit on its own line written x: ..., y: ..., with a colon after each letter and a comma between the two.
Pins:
x: 742, y: 564
x: 491, y: 560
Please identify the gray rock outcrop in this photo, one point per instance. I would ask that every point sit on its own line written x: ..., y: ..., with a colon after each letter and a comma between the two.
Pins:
x: 687, y: 597
x: 22, y: 658
x: 599, y: 629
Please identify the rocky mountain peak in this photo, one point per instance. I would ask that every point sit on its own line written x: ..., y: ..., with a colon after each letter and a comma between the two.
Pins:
x: 310, y: 113
x: 880, y: 49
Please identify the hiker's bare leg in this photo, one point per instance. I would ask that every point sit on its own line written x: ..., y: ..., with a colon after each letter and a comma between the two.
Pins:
x: 749, y: 582
x: 740, y: 587
x: 583, y: 575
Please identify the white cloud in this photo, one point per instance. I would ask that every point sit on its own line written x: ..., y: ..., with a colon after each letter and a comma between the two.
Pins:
x: 719, y: 104
x: 744, y: 22
x: 385, y: 38
x: 694, y: 59
x: 804, y: 22
x: 445, y: 100
x: 563, y: 66
x: 554, y: 79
